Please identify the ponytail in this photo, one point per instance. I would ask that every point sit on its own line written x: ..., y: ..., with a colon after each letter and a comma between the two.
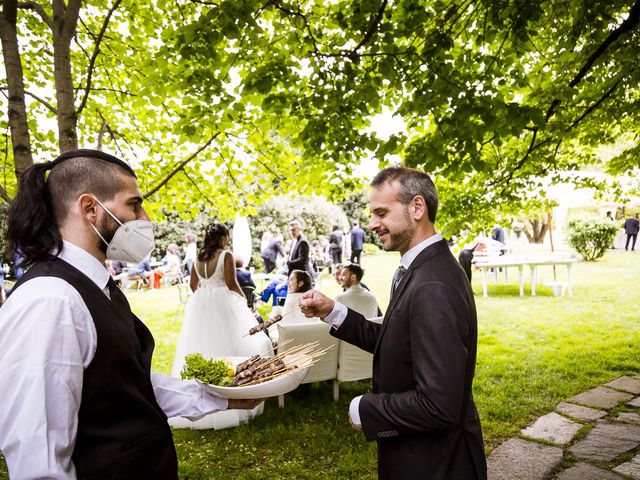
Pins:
x: 31, y: 225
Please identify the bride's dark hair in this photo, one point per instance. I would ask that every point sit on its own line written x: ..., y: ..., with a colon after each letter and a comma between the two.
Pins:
x: 213, y: 235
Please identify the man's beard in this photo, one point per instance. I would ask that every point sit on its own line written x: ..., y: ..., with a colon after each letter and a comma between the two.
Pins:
x: 107, y: 228
x: 402, y: 238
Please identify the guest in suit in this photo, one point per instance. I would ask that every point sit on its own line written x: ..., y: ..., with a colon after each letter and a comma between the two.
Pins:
x: 299, y: 250
x: 270, y: 253
x: 355, y: 296
x: 357, y: 242
x: 335, y: 245
x: 421, y: 411
x: 631, y: 228
x: 243, y: 276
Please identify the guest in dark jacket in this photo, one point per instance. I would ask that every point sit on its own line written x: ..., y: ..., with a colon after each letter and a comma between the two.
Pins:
x: 357, y: 242
x: 631, y: 228
x: 242, y: 274
x: 270, y: 253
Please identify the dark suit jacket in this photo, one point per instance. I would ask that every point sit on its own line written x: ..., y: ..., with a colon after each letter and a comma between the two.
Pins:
x: 272, y: 250
x: 631, y: 226
x: 299, y: 256
x: 421, y: 411
x: 357, y: 238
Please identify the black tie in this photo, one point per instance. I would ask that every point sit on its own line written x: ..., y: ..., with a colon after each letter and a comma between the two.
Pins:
x: 397, y: 277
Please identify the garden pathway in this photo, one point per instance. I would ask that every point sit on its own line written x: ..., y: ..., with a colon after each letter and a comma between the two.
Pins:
x: 593, y: 436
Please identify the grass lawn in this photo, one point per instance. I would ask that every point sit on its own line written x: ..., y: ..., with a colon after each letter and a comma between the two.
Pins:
x: 532, y: 353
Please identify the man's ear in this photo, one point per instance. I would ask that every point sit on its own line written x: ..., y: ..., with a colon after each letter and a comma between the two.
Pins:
x: 419, y: 207
x: 87, y: 207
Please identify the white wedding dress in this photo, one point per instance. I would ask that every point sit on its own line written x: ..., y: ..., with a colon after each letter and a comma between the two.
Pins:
x: 215, y: 322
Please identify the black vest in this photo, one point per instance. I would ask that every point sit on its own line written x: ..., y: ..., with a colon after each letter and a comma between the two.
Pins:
x: 122, y: 431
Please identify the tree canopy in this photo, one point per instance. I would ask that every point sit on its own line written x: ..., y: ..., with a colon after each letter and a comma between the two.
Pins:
x: 234, y: 101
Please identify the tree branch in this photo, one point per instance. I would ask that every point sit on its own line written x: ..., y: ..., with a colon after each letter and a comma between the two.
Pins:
x: 5, y: 196
x: 96, y: 51
x: 39, y: 9
x: 197, y: 187
x: 372, y: 30
x: 606, y: 95
x: 628, y: 25
x: 180, y: 166
x: 42, y: 101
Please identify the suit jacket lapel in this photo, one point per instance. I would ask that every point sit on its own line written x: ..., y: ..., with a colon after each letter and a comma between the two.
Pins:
x: 424, y: 256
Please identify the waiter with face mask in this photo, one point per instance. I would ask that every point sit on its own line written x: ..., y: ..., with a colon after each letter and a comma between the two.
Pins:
x: 78, y: 398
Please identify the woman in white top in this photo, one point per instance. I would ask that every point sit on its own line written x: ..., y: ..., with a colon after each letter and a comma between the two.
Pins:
x: 298, y: 283
x: 216, y: 319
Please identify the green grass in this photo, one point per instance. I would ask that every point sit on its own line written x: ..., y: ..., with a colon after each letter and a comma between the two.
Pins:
x: 532, y: 353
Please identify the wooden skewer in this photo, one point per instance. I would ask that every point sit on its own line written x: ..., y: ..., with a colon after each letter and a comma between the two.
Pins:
x: 307, y: 360
x: 282, y: 315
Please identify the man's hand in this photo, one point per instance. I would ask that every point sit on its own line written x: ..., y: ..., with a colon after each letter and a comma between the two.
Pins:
x: 244, y: 404
x: 315, y: 304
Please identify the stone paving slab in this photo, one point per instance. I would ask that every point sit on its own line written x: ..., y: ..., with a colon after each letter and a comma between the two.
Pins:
x: 635, y: 402
x: 626, y: 383
x: 522, y: 460
x: 580, y: 412
x: 584, y: 471
x: 553, y: 428
x: 631, y: 468
x: 606, y: 441
x: 601, y: 397
x: 629, y: 417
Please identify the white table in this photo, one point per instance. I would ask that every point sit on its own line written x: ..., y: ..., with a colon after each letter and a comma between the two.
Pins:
x: 533, y: 261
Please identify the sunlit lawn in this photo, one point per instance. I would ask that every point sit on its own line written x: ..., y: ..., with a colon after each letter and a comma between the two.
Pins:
x: 532, y: 353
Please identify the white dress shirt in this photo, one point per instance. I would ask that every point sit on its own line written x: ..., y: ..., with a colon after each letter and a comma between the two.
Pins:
x: 339, y: 313
x: 47, y: 340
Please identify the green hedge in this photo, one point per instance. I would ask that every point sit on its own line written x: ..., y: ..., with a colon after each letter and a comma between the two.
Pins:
x: 591, y: 237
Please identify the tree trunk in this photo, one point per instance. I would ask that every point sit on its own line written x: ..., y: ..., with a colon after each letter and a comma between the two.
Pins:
x: 20, y: 139
x: 65, y: 19
x: 535, y: 230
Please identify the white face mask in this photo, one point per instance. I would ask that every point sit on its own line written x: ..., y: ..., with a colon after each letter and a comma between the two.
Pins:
x: 131, y: 242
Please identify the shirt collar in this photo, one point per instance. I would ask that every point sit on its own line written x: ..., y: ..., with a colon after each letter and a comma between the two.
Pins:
x: 410, y: 255
x: 86, y: 263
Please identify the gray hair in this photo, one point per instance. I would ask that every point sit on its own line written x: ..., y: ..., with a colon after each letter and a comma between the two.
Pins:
x: 412, y: 183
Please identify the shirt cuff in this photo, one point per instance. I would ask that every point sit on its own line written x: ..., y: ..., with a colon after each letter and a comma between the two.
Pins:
x: 354, y: 411
x: 184, y: 398
x: 337, y: 315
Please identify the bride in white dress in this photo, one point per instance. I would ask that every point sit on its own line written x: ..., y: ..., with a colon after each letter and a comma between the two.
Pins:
x: 215, y: 321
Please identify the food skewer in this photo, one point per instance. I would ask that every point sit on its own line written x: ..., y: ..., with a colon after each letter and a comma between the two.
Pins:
x: 259, y: 369
x: 263, y: 326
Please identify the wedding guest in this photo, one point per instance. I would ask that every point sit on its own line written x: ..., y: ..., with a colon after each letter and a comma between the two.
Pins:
x: 355, y: 296
x: 276, y: 290
x: 335, y: 245
x: 421, y: 411
x: 190, y: 250
x: 299, y: 282
x: 243, y: 276
x: 299, y: 250
x: 631, y: 228
x: 76, y: 361
x: 357, y: 242
x: 270, y: 252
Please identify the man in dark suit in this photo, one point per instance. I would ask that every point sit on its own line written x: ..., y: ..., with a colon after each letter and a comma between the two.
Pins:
x: 357, y: 243
x: 270, y: 253
x: 631, y: 228
x: 299, y: 251
x: 421, y: 411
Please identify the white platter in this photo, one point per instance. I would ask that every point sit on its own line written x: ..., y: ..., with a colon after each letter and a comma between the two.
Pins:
x: 270, y: 388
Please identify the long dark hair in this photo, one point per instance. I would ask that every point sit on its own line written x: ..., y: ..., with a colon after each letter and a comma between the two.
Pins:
x: 300, y: 276
x: 213, y: 235
x: 42, y: 202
